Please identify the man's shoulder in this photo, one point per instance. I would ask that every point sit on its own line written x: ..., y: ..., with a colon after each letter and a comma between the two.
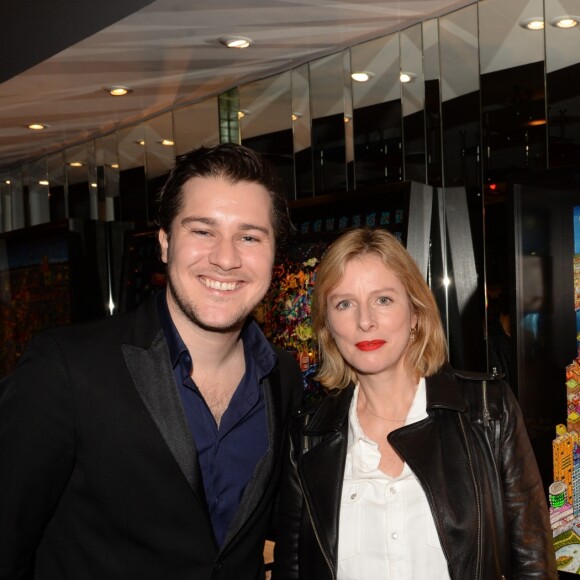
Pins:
x: 99, y: 332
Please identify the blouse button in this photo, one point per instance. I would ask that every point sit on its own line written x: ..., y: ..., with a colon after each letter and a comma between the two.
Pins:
x: 353, y: 496
x: 392, y: 490
x: 395, y: 535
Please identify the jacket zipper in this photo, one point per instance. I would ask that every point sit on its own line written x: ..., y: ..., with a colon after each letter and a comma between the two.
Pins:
x: 486, y: 414
x: 477, y: 499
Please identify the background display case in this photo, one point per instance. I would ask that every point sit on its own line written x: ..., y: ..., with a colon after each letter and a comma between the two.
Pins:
x: 51, y: 275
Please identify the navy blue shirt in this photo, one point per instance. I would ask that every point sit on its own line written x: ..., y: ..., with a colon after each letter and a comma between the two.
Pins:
x: 227, y: 456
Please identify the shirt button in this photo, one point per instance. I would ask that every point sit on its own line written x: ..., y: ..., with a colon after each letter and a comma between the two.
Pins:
x: 395, y: 535
x: 353, y: 496
x: 392, y: 490
x: 218, y: 566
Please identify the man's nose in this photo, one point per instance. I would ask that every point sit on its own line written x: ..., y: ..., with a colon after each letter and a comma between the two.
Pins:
x: 225, y: 255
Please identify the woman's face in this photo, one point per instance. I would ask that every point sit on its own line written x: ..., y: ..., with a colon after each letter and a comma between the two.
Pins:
x: 369, y: 316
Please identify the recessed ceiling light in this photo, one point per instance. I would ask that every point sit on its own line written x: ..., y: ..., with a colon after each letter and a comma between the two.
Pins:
x: 75, y: 164
x: 296, y: 116
x: 114, y: 166
x: 565, y: 21
x: 167, y: 142
x: 43, y: 182
x: 407, y: 77
x: 118, y: 91
x: 37, y: 126
x: 362, y: 76
x: 535, y: 23
x: 140, y: 142
x: 236, y: 41
x: 242, y: 113
x: 94, y: 185
x: 7, y: 182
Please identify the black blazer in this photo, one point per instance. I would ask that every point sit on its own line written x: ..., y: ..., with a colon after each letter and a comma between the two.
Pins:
x: 99, y: 476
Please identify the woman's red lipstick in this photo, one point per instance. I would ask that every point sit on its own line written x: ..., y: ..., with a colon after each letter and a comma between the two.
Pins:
x: 369, y: 344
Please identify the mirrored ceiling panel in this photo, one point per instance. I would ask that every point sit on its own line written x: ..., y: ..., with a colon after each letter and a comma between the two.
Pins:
x: 563, y: 44
x: 504, y: 40
x: 459, y: 53
x: 376, y: 65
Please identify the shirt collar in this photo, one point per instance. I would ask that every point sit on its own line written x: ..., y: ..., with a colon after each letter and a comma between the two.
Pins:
x: 363, y: 455
x: 255, y: 343
x: 417, y: 411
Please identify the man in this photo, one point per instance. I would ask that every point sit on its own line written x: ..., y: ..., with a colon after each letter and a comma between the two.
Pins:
x: 148, y: 445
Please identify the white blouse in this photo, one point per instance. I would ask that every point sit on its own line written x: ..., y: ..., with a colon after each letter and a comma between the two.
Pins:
x: 386, y: 530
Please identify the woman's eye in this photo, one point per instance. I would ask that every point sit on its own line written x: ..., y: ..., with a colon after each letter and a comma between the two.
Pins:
x: 343, y: 305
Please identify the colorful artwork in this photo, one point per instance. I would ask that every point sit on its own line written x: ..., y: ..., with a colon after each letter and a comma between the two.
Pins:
x: 285, y: 312
x: 564, y: 492
x: 34, y: 292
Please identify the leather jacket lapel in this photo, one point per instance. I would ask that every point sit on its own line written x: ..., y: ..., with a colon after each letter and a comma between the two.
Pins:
x: 321, y: 469
x: 152, y: 374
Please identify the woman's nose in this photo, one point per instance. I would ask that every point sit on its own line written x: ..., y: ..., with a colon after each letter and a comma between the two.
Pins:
x: 366, y: 319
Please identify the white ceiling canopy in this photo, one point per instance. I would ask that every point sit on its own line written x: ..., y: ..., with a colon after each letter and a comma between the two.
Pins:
x: 169, y: 53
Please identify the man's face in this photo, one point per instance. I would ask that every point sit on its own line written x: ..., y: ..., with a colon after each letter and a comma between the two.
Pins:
x: 219, y: 254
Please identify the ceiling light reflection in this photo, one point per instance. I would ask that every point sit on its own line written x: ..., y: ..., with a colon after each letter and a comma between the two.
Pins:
x: 236, y: 41
x: 565, y: 22
x: 535, y: 23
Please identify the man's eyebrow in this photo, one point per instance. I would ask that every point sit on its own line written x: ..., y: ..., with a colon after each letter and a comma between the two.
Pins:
x: 204, y: 220
x: 253, y: 227
x: 213, y: 222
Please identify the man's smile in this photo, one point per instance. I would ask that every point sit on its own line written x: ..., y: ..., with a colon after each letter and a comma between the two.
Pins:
x: 218, y: 285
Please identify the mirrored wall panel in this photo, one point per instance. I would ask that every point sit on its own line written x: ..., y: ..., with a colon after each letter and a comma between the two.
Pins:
x: 377, y: 111
x: 266, y: 123
x: 328, y: 135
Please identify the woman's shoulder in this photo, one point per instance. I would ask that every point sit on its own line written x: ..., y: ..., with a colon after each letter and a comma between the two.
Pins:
x: 326, y: 412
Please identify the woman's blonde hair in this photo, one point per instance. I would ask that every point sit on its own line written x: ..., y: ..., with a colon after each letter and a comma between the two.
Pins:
x: 425, y: 354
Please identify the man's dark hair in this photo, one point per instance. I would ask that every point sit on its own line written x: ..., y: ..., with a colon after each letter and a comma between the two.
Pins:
x: 229, y: 161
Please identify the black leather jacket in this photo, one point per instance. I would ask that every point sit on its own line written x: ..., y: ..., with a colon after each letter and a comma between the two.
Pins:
x: 490, y: 513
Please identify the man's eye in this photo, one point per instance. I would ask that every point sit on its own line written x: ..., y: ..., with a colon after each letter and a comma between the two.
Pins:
x: 383, y: 300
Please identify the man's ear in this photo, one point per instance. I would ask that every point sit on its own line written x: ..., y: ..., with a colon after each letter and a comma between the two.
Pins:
x: 163, y: 244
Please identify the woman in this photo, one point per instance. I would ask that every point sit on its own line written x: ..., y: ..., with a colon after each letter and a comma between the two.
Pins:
x: 406, y: 470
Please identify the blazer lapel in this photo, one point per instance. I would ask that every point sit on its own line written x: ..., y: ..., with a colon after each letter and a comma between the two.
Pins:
x: 152, y: 374
x: 255, y: 489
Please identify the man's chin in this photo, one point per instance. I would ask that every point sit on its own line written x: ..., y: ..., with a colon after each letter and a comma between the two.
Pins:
x: 221, y: 328
x: 218, y: 324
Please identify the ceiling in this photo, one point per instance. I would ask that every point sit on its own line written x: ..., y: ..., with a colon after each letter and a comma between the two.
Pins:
x: 56, y: 58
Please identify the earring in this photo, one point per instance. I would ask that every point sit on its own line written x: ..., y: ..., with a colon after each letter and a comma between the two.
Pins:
x: 412, y: 335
